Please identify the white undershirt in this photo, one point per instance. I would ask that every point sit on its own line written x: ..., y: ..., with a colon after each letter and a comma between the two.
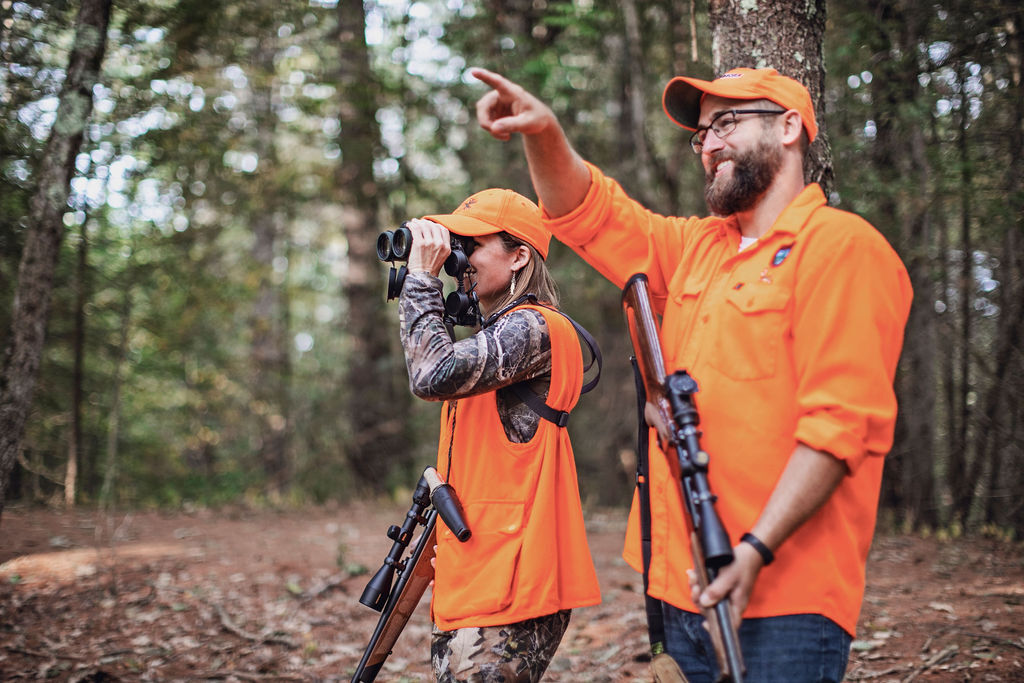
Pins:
x: 746, y: 241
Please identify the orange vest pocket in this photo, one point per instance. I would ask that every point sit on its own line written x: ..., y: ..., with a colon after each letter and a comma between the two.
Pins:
x: 478, y: 577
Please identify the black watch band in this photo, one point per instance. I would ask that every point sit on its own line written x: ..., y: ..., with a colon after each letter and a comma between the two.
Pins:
x: 767, y: 556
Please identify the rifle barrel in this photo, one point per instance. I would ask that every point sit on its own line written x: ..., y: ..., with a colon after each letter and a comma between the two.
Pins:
x: 672, y: 396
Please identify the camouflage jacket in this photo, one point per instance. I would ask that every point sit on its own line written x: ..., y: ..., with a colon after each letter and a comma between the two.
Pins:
x: 515, y: 348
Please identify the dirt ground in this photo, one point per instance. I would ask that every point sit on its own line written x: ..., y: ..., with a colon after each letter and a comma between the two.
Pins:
x: 243, y: 595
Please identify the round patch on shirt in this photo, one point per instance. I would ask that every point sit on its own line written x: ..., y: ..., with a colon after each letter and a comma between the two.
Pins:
x: 781, y: 255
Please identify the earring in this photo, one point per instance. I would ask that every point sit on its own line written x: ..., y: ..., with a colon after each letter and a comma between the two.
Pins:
x: 512, y: 285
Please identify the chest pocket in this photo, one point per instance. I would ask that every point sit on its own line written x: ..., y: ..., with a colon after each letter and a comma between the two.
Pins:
x: 677, y: 323
x: 752, y: 321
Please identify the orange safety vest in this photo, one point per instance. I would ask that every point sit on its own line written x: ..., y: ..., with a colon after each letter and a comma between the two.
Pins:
x: 528, y: 555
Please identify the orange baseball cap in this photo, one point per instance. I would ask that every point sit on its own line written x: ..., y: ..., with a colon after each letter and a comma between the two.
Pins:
x: 491, y: 211
x: 683, y: 96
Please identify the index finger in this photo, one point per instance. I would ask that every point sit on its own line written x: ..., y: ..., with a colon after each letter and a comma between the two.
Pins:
x: 425, y: 227
x: 496, y: 81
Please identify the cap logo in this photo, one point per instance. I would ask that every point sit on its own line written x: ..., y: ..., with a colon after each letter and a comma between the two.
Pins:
x: 730, y: 76
x: 468, y: 204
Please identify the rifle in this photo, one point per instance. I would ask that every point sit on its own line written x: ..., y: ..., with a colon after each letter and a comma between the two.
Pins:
x: 664, y: 669
x: 672, y: 398
x: 396, y: 600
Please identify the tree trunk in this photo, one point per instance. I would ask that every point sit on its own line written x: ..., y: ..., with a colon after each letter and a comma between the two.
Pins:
x: 996, y: 431
x: 1012, y: 509
x: 32, y: 298
x: 114, y: 418
x: 379, y: 446
x: 71, y: 476
x: 962, y: 474
x: 634, y: 110
x: 269, y: 350
x: 784, y: 35
x: 909, y: 484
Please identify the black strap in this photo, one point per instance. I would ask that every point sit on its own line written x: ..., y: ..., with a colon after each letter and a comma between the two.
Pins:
x: 537, y: 404
x: 522, y: 389
x: 652, y: 606
x: 453, y: 407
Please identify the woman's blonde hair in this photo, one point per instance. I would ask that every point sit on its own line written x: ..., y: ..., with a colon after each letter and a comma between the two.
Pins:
x: 533, y: 278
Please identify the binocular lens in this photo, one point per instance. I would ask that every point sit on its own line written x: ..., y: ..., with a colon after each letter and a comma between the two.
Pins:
x: 384, y: 245
x: 401, y: 243
x: 394, y: 245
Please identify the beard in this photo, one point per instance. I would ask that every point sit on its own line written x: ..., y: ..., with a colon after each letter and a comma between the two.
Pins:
x: 753, y: 172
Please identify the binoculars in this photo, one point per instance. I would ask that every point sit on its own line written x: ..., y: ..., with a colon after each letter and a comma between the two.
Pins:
x: 461, y: 306
x: 395, y: 245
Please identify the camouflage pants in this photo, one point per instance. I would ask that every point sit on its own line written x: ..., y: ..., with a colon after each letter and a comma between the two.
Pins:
x: 515, y: 653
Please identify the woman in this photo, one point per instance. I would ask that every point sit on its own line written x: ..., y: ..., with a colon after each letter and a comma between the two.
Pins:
x: 501, y: 601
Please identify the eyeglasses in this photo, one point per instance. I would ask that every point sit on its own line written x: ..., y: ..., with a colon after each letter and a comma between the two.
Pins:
x: 724, y: 123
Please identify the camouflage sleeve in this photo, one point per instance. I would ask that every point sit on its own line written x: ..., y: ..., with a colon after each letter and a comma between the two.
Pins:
x: 515, y: 348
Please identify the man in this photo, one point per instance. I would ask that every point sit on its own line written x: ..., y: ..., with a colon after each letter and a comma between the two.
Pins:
x: 790, y: 316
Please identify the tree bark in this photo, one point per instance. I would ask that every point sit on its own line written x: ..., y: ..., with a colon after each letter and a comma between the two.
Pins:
x: 71, y: 475
x: 909, y: 484
x: 962, y: 473
x: 114, y: 418
x: 789, y: 37
x: 34, y: 291
x: 269, y: 350
x: 995, y: 431
x: 635, y: 120
x: 379, y: 445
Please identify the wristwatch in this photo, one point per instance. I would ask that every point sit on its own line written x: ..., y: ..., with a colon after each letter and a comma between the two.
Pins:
x: 764, y: 551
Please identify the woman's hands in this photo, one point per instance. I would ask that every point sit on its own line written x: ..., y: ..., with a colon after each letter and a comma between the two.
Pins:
x: 431, y: 245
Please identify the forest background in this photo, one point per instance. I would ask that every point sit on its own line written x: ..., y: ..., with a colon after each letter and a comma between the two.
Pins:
x: 218, y: 330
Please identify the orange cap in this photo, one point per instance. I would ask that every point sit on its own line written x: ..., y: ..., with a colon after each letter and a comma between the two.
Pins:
x: 683, y: 96
x: 491, y: 211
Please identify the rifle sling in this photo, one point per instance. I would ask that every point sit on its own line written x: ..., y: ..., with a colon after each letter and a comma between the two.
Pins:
x: 653, y: 606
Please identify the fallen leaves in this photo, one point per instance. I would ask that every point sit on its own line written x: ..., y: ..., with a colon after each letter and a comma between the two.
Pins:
x: 261, y: 597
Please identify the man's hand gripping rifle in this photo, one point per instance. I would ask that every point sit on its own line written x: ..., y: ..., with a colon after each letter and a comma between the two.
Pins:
x: 671, y: 398
x: 396, y: 600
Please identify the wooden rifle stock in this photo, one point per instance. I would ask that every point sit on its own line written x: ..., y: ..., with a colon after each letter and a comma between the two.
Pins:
x: 670, y: 397
x: 397, y: 603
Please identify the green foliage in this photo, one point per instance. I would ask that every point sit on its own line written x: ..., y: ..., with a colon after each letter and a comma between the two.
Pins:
x: 207, y: 187
x: 925, y: 119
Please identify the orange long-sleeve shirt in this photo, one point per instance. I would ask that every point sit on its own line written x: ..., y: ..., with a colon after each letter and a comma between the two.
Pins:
x: 794, y: 339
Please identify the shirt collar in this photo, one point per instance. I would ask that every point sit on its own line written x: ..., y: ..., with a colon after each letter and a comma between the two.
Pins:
x: 798, y: 213
x: 790, y: 221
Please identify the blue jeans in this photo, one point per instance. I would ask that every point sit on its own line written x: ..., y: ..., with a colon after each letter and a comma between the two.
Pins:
x: 798, y: 648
